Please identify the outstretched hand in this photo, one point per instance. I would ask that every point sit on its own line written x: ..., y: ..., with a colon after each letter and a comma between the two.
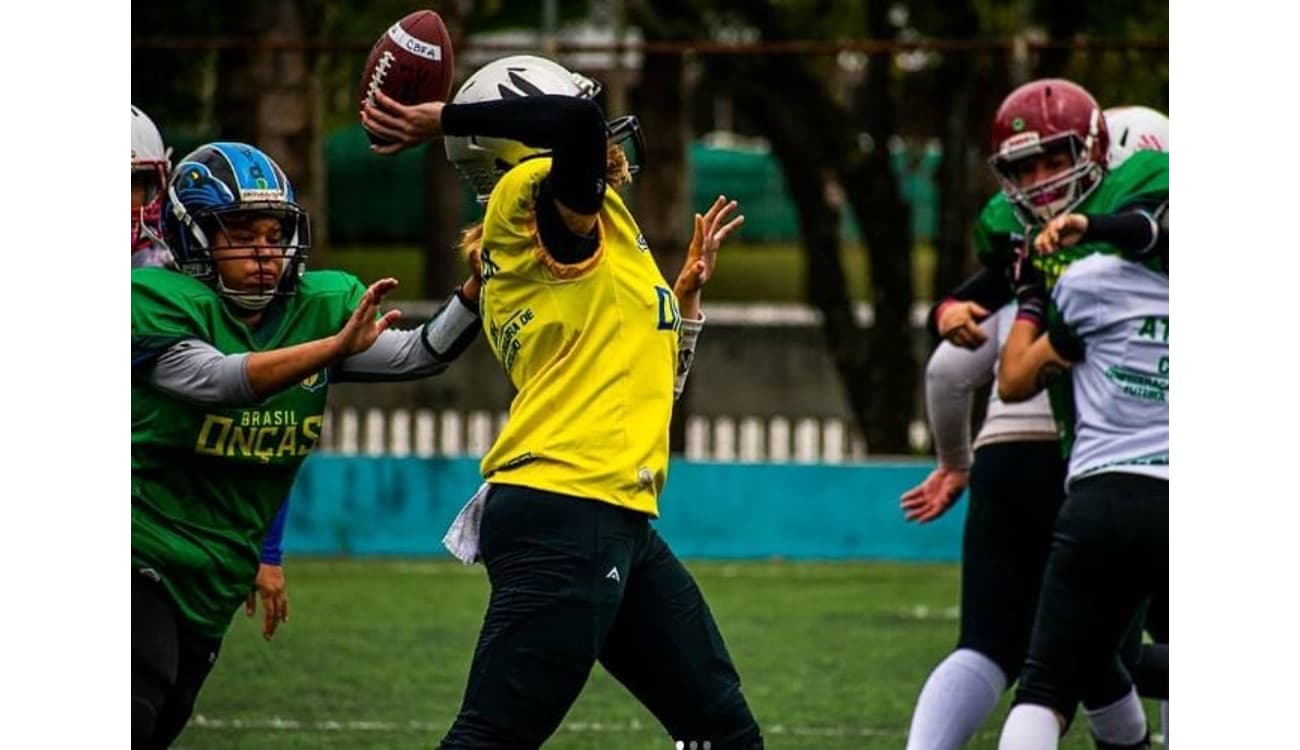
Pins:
x: 933, y: 497
x: 711, y: 230
x: 406, y: 125
x: 363, y: 328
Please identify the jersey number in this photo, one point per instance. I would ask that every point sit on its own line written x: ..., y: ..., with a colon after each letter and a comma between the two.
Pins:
x: 670, y: 318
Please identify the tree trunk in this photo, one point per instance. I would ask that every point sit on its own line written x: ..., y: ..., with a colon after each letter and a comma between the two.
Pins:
x: 805, y: 161
x: 886, y: 224
x: 959, y: 186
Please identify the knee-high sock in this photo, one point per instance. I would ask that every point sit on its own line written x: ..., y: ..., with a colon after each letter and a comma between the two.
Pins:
x: 957, y: 697
x: 1030, y: 727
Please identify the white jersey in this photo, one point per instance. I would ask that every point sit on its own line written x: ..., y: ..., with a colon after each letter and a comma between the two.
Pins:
x: 1026, y: 420
x: 1120, y: 310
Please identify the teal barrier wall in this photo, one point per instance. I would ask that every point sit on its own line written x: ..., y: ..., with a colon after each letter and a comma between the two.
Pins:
x: 402, y: 506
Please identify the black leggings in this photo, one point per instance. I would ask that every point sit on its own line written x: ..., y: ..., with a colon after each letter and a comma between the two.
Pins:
x: 578, y: 581
x: 1110, y: 553
x: 168, y: 666
x: 1016, y: 491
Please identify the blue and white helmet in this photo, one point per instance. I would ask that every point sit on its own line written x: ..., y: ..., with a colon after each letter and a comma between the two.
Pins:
x: 220, y: 181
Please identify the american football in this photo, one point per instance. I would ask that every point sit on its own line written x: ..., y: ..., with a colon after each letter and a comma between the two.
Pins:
x: 412, y: 62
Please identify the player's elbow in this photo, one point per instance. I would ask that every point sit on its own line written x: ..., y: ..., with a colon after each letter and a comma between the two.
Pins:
x: 1014, y: 387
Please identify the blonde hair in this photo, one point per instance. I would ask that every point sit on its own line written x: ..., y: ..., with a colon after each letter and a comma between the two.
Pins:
x: 617, y: 175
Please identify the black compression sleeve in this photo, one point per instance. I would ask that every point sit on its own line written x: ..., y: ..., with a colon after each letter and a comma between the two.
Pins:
x: 1135, y: 233
x: 988, y: 287
x: 572, y: 128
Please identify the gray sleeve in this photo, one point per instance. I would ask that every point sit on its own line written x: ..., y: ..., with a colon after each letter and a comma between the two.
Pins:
x: 407, y: 355
x: 194, y: 370
x: 951, y: 377
x: 686, y: 353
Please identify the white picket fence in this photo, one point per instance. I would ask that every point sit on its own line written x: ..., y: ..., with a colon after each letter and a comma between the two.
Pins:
x: 426, y: 433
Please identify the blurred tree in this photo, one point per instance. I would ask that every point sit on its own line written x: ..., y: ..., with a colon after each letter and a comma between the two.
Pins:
x: 885, y: 220
x: 832, y: 146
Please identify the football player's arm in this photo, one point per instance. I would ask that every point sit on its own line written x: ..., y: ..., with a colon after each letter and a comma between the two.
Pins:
x: 1139, y: 230
x: 686, y: 351
x: 987, y: 288
x: 1030, y: 362
x: 574, y: 130
x: 194, y: 370
x: 951, y: 377
x: 273, y: 545
x: 424, y: 351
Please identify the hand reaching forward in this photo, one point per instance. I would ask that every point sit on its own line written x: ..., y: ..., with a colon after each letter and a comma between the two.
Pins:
x: 363, y: 328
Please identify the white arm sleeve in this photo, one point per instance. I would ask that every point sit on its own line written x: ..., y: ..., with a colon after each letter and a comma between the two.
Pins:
x: 417, y: 353
x: 686, y: 352
x: 951, y: 378
x: 194, y: 370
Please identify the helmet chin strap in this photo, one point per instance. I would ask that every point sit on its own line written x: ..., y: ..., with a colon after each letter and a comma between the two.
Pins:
x: 250, y: 301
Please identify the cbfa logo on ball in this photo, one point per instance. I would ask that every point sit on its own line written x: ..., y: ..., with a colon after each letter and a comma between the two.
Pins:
x: 316, y: 381
x: 413, y: 45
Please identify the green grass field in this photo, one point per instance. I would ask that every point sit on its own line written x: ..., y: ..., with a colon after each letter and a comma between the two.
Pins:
x: 746, y: 273
x: 375, y: 655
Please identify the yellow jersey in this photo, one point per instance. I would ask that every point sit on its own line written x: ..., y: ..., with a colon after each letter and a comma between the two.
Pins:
x: 591, y: 348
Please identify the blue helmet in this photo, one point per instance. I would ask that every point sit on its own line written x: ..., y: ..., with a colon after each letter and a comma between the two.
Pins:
x: 218, y: 185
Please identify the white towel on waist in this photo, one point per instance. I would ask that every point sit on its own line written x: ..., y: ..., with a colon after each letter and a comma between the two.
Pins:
x: 461, y: 539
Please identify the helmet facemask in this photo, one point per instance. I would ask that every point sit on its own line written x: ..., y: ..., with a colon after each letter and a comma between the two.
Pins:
x: 228, y: 232
x: 150, y: 178
x: 1058, y: 194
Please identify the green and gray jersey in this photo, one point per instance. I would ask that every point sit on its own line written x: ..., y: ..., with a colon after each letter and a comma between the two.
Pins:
x: 1144, y: 176
x: 206, y: 480
x: 1120, y: 311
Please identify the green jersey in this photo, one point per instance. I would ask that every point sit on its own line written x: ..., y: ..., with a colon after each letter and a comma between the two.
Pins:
x: 1143, y: 176
x: 207, y: 480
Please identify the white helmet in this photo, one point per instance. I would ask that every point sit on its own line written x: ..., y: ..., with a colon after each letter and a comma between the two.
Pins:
x: 1135, y: 129
x: 149, y: 156
x: 146, y: 142
x: 482, y: 161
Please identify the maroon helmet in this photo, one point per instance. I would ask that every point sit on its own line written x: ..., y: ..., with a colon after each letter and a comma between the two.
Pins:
x: 1049, y: 116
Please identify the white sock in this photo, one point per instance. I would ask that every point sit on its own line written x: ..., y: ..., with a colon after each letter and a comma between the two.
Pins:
x: 1121, y: 723
x: 1030, y: 727
x: 957, y: 697
x: 1164, y: 722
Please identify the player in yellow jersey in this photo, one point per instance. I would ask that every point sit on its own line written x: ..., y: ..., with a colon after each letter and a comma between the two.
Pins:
x: 596, y: 343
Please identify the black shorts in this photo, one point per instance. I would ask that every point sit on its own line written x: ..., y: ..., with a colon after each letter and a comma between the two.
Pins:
x: 577, y: 581
x: 1110, y: 553
x: 169, y: 663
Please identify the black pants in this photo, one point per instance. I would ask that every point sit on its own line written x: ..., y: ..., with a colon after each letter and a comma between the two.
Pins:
x: 1110, y: 553
x: 577, y: 581
x: 1016, y: 491
x: 168, y: 666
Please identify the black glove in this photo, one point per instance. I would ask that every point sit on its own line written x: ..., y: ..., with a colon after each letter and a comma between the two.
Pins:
x: 1031, y: 294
